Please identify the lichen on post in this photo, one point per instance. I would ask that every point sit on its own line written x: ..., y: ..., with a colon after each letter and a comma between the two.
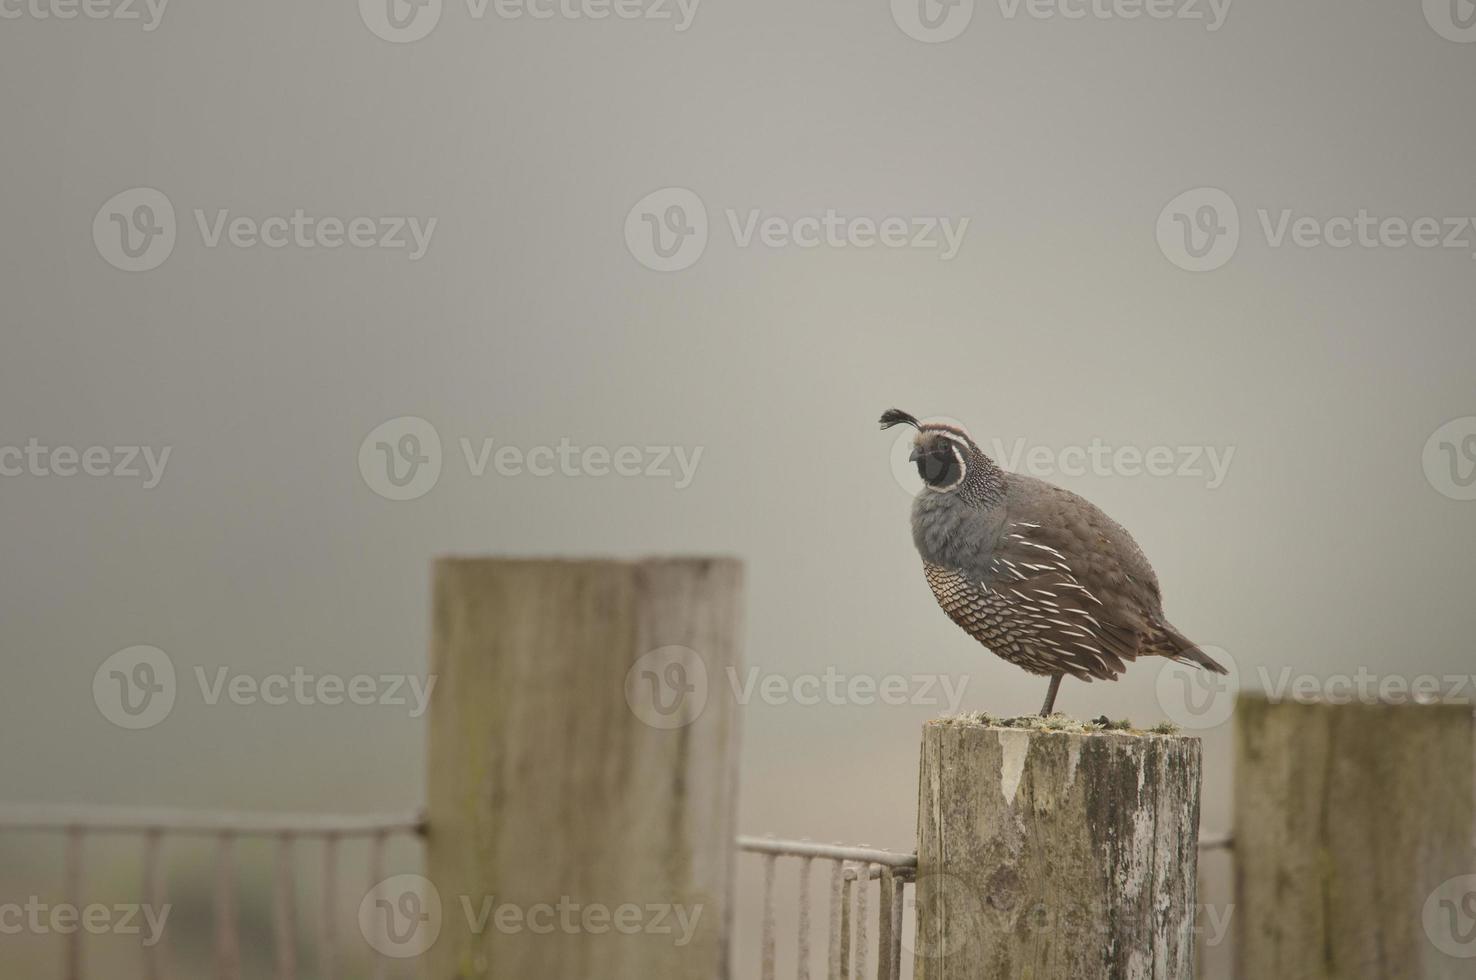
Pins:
x: 1055, y: 851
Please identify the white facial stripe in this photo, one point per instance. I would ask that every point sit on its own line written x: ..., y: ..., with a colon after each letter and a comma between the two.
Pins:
x: 958, y: 439
x: 948, y: 431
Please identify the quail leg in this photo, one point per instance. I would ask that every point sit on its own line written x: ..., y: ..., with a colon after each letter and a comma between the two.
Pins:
x: 1050, y: 701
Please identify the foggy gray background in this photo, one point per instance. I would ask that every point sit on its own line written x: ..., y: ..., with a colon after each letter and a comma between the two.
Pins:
x: 529, y: 321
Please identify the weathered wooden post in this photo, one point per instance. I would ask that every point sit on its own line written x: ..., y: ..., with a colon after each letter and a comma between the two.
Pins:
x: 582, y: 768
x: 1055, y: 855
x: 1350, y: 819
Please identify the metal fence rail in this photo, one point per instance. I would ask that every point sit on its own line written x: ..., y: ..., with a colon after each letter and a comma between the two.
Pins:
x: 849, y: 945
x: 851, y: 873
x: 77, y: 823
x: 848, y: 933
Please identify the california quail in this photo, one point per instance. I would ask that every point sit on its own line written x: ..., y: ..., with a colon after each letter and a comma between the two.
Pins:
x: 1037, y: 574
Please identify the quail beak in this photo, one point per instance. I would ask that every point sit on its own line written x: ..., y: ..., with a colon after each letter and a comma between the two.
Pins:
x: 917, y: 454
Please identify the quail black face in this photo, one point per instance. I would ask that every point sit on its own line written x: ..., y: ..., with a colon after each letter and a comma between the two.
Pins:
x: 939, y: 463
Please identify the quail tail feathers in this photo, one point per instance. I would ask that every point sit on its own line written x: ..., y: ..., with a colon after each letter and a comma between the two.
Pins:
x: 1177, y: 646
